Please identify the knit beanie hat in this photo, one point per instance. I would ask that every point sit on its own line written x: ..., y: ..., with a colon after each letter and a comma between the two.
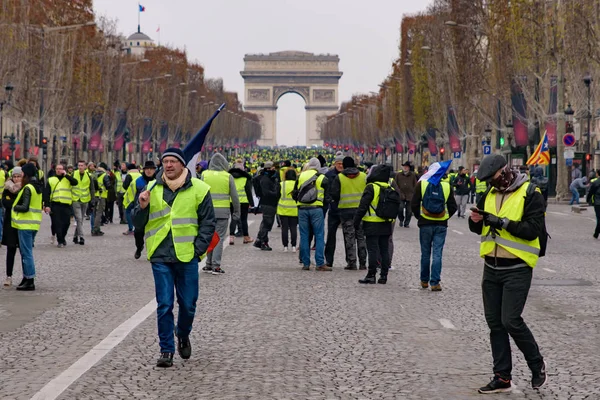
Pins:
x: 28, y: 170
x: 17, y: 170
x: 348, y: 162
x: 174, y: 152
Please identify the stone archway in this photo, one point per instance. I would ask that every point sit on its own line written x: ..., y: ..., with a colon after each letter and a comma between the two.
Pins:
x: 267, y: 77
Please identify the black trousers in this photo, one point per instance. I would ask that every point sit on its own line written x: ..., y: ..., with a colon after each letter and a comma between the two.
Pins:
x: 61, y: 219
x: 109, y: 210
x: 139, y: 239
x: 597, y: 210
x: 333, y: 222
x: 243, y: 220
x: 504, y: 296
x: 120, y: 206
x: 268, y: 219
x: 379, y: 254
x: 291, y: 224
x: 11, y: 252
x: 404, y: 212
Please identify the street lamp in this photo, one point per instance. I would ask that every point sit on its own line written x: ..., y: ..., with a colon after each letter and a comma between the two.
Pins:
x: 8, y: 89
x: 587, y: 80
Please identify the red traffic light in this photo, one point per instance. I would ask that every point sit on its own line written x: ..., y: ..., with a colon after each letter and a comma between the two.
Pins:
x: 442, y: 150
x: 588, y: 157
x: 44, y: 141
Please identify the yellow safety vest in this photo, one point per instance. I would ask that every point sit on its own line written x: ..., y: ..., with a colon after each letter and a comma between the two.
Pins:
x: 102, y: 192
x: 40, y: 174
x: 131, y: 190
x: 306, y: 175
x: 119, y: 182
x: 32, y: 219
x: 60, y: 190
x: 351, y: 190
x: 2, y: 180
x: 181, y: 219
x: 480, y: 186
x: 446, y: 189
x: 219, y: 187
x: 81, y: 192
x: 512, y: 208
x: 371, y: 216
x: 240, y: 187
x: 287, y: 206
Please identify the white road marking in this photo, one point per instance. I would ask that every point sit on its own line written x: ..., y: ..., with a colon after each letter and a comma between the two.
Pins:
x: 459, y: 232
x: 548, y: 269
x: 446, y: 323
x: 58, y: 385
x: 559, y: 213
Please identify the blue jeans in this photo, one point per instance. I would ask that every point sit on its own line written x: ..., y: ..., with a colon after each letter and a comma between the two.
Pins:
x: 575, y: 198
x: 184, y: 277
x: 312, y: 218
x: 26, y: 238
x: 432, y: 237
x: 129, y: 218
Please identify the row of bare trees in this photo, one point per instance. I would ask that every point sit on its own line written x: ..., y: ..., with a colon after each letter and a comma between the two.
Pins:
x: 71, y: 80
x: 461, y: 66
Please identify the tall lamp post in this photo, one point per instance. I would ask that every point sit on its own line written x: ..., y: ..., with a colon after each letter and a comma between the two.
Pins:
x: 8, y: 89
x: 588, y: 148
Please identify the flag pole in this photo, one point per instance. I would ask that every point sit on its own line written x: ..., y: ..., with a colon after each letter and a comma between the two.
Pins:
x: 139, y: 14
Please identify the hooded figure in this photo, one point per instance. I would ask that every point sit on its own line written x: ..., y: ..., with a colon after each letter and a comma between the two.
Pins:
x: 243, y: 183
x: 219, y: 163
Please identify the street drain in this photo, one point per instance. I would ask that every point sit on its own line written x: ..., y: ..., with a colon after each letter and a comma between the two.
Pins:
x: 561, y: 282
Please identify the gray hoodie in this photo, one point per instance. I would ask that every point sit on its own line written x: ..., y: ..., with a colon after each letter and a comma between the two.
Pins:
x: 219, y: 163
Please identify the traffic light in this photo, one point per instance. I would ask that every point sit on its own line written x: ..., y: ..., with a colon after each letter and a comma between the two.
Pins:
x: 442, y: 151
x: 588, y: 157
x: 126, y: 136
x: 44, y: 143
x: 501, y: 142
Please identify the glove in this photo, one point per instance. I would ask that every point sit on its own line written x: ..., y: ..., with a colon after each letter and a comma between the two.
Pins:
x: 493, y: 221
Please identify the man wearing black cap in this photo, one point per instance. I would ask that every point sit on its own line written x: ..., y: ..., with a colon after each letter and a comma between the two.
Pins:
x: 176, y: 213
x: 406, y: 182
x: 511, y: 224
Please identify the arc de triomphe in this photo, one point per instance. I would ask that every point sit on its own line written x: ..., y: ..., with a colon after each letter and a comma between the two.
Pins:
x: 267, y: 77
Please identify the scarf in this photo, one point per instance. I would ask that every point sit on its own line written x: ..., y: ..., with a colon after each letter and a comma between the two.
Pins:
x: 176, y: 183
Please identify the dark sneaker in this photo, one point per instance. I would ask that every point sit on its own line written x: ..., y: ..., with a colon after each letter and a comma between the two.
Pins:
x: 27, y: 285
x: 165, y: 360
x: 497, y: 385
x: 265, y: 247
x: 595, y: 235
x: 75, y: 239
x: 207, y: 269
x: 539, y: 377
x: 184, y: 347
x: 424, y: 285
x: 350, y: 268
x: 382, y: 281
x: 436, y: 288
x: 217, y: 271
x: 81, y: 241
x: 368, y: 280
x: 305, y: 267
x: 138, y: 254
x: 362, y: 267
x: 324, y: 267
x: 257, y: 244
x: 60, y: 245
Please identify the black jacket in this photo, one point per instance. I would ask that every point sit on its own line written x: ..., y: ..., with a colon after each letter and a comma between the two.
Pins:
x: 9, y: 234
x: 25, y: 200
x: 462, y: 185
x: 165, y: 252
x: 415, y: 207
x: 380, y: 175
x: 269, y: 189
x: 238, y: 173
x: 48, y: 190
x: 331, y: 175
x: 531, y: 226
x: 594, y: 191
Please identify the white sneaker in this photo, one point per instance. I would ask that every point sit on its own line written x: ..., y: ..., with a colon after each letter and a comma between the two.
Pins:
x: 285, y: 249
x: 293, y: 249
x: 51, y: 239
x: 8, y: 281
x: 391, y: 268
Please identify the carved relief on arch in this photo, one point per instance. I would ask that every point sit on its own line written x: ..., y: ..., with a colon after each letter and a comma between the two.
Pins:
x: 303, y: 91
x: 258, y: 95
x: 324, y: 96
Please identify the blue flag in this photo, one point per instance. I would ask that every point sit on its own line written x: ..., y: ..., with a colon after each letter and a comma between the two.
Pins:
x: 191, y: 151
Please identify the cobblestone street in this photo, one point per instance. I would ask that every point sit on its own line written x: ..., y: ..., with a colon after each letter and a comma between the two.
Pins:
x: 267, y: 330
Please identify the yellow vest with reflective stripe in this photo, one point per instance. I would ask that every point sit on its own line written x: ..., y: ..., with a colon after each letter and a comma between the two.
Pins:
x: 287, y: 206
x: 446, y: 189
x: 102, y: 191
x: 370, y: 216
x: 81, y: 192
x: 60, y: 190
x: 219, y: 187
x: 351, y: 190
x: 240, y: 187
x: 306, y: 175
x: 480, y: 186
x: 2, y: 179
x: 32, y: 219
x: 512, y: 208
x: 181, y: 219
x: 119, y: 182
x: 131, y: 189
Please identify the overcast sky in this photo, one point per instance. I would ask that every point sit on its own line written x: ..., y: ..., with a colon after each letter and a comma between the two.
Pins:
x: 217, y: 33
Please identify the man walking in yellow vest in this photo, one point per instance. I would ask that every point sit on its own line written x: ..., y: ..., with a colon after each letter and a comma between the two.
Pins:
x: 103, y: 180
x: 130, y: 193
x: 177, y: 215
x: 512, y: 227
x: 222, y: 192
x: 83, y: 193
x: 58, y: 198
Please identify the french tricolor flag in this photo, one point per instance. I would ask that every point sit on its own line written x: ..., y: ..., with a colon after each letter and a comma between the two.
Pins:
x: 142, y: 8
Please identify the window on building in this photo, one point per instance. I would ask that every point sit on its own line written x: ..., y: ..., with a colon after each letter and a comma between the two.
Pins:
x: 138, y: 43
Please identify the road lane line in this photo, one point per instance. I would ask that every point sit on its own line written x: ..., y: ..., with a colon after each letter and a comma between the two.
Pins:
x: 549, y: 270
x: 59, y: 384
x: 447, y: 324
x: 459, y: 232
x: 559, y: 213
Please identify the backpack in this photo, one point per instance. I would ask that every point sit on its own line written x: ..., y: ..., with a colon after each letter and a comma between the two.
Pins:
x: 307, y: 192
x: 434, y: 200
x: 256, y: 186
x: 388, y: 204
